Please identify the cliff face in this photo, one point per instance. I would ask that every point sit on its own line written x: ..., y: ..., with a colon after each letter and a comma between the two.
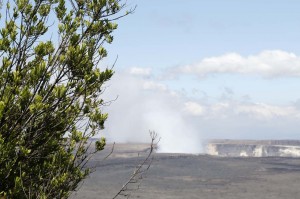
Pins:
x: 246, y: 148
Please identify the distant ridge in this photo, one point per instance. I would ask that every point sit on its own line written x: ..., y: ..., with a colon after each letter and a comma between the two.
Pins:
x: 253, y: 148
x: 263, y: 142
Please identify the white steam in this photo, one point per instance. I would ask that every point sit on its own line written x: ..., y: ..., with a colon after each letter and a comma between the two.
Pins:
x: 144, y: 105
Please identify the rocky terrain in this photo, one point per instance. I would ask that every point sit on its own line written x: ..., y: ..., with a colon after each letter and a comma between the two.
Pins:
x: 187, y: 176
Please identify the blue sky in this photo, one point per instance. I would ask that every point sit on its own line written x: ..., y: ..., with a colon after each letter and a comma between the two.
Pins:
x: 221, y: 69
x: 161, y: 30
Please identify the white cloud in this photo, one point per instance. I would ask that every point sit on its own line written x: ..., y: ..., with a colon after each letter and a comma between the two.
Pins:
x: 151, y: 85
x: 265, y: 111
x: 267, y: 64
x: 258, y: 111
x: 194, y: 108
x: 140, y: 71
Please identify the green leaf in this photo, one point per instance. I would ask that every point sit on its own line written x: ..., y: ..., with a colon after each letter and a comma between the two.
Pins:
x: 100, y: 144
x: 2, y: 106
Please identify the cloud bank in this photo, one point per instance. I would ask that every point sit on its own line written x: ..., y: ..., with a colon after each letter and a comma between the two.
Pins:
x: 146, y: 102
x: 257, y: 111
x: 269, y: 63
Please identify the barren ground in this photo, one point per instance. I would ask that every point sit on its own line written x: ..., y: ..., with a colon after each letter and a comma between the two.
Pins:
x: 182, y: 176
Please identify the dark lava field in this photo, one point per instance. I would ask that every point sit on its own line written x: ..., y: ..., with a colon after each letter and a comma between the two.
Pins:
x: 183, y: 176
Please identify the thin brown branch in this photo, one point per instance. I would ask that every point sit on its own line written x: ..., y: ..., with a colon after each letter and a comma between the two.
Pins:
x: 139, y: 171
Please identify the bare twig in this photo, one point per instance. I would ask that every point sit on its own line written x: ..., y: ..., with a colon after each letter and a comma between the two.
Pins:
x: 137, y: 175
x: 112, y: 150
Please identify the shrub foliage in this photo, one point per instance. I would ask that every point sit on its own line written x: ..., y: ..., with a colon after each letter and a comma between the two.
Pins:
x: 50, y: 92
